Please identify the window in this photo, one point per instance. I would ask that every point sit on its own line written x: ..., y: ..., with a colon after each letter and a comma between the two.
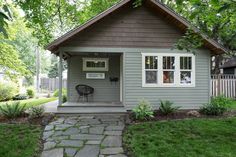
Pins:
x: 168, y: 69
x: 172, y: 70
x: 185, y: 70
x: 151, y: 69
x: 95, y: 64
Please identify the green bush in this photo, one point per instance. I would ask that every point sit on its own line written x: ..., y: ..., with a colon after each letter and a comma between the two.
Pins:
x: 36, y: 111
x: 8, y: 90
x: 30, y: 92
x: 20, y: 97
x: 166, y: 107
x: 143, y: 110
x: 12, y: 110
x: 64, y: 94
x: 217, y: 106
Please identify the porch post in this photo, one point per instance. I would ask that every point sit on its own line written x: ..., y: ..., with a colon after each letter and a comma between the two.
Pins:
x: 60, y: 78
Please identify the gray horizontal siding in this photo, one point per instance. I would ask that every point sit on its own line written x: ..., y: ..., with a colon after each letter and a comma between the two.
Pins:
x: 189, y: 97
x: 104, y: 90
x: 128, y: 27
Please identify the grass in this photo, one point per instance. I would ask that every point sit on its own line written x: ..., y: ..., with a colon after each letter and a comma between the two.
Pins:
x: 233, y: 106
x: 184, y: 138
x: 19, y: 140
x: 33, y: 102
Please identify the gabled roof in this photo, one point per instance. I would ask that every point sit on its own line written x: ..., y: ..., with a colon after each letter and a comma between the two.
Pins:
x: 230, y: 63
x: 176, y: 19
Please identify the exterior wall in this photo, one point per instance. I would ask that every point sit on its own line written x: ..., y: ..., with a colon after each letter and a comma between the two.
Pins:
x: 187, y: 97
x: 128, y: 27
x: 104, y: 90
x: 229, y: 71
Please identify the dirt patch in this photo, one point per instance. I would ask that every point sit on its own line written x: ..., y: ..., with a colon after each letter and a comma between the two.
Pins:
x: 25, y: 119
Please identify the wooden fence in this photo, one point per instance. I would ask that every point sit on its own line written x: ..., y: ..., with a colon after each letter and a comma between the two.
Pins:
x: 223, y: 85
x: 51, y: 84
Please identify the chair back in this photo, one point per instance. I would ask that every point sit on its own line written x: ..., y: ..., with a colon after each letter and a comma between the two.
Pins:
x: 84, y: 89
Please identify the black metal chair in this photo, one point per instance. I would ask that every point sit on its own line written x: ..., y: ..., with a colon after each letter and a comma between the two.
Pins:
x: 84, y: 91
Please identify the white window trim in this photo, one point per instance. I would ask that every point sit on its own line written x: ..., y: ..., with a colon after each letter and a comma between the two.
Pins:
x: 160, y: 70
x: 85, y: 68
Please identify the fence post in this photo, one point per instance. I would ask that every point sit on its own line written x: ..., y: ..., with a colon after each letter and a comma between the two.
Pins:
x: 218, y: 84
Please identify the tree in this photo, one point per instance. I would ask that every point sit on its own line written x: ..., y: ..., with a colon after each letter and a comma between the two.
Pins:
x: 55, y: 17
x: 53, y: 70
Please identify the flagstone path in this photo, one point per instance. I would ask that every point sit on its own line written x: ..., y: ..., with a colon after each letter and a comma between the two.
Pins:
x: 84, y: 136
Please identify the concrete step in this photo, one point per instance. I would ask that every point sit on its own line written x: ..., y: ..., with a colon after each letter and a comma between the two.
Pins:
x: 91, y: 110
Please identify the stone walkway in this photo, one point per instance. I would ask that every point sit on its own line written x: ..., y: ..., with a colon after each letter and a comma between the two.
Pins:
x: 84, y: 136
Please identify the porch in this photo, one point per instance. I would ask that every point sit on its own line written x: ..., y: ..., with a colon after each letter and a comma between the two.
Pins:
x: 103, y: 72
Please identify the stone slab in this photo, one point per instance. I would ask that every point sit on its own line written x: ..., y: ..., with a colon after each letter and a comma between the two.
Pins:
x: 71, y: 143
x: 112, y: 151
x: 88, y: 151
x: 112, y: 141
x: 53, y: 153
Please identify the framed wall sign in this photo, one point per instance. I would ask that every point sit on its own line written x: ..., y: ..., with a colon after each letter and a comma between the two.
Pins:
x: 95, y: 64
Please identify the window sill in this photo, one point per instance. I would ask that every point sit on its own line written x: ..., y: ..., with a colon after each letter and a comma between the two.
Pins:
x: 168, y: 86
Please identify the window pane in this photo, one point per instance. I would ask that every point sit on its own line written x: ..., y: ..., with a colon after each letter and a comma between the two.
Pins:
x: 168, y: 62
x: 95, y: 64
x: 151, y: 62
x: 185, y: 62
x: 168, y: 77
x: 185, y: 77
x: 151, y: 76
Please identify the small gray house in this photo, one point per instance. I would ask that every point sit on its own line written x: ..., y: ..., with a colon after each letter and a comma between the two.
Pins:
x: 126, y: 54
x: 229, y: 67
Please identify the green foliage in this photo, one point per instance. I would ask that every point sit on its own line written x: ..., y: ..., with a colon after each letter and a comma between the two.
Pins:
x: 12, y: 110
x: 30, y: 92
x: 189, y: 42
x: 57, y: 17
x: 166, y: 107
x: 7, y: 90
x: 143, y: 110
x: 20, y: 140
x: 137, y: 3
x: 217, y: 106
x: 64, y: 94
x: 20, y: 97
x: 182, y: 138
x: 5, y: 15
x: 36, y: 111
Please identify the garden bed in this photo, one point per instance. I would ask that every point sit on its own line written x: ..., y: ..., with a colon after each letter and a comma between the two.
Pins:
x: 178, y: 115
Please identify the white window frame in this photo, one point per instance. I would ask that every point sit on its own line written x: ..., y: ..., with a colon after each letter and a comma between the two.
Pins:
x: 85, y: 60
x: 160, y: 70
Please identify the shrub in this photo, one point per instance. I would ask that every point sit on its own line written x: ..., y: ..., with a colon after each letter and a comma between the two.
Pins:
x: 20, y: 97
x: 30, y: 92
x: 64, y: 94
x: 12, y: 110
x: 36, y: 111
x: 143, y: 110
x: 166, y: 107
x: 217, y: 106
x: 8, y: 90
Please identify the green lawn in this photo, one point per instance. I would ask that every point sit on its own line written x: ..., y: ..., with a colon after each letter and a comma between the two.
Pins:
x: 19, y: 140
x: 233, y: 106
x: 33, y: 102
x: 184, y: 138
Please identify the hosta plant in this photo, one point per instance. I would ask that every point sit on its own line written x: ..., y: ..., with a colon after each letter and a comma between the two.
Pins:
x: 143, y: 110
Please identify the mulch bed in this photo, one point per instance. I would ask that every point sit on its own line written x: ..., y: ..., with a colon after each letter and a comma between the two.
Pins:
x: 25, y: 119
x: 181, y: 114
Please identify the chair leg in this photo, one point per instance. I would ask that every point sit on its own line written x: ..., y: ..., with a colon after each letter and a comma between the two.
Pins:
x: 87, y: 98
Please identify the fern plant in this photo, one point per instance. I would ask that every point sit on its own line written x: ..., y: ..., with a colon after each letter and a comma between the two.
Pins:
x: 166, y: 107
x: 12, y: 110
